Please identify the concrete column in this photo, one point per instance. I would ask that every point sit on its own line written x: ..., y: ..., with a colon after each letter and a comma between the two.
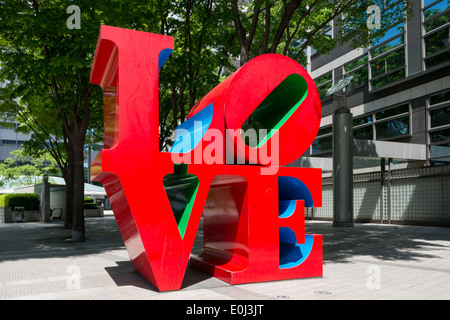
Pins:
x: 342, y: 168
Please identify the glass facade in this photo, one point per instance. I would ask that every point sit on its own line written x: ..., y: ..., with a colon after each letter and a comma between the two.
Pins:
x: 387, y: 124
x: 363, y: 127
x: 364, y: 133
x: 385, y: 62
x: 439, y: 132
x: 390, y: 123
x: 322, y: 145
x: 359, y: 70
x: 392, y: 112
x: 10, y: 140
x: 403, y: 95
x: 436, y: 28
x: 392, y: 128
x: 324, y: 141
x: 387, y: 54
x: 323, y: 83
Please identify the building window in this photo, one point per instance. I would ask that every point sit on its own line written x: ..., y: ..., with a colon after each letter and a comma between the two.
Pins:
x: 387, y: 113
x: 323, y: 142
x: 439, y: 133
x: 364, y: 133
x: 359, y: 70
x: 392, y: 128
x: 363, y: 128
x: 388, y: 46
x: 440, y: 117
x: 323, y: 83
x: 9, y: 143
x: 328, y: 30
x: 294, y: 50
x: 390, y: 123
x: 387, y: 54
x: 436, y: 28
x: 387, y: 124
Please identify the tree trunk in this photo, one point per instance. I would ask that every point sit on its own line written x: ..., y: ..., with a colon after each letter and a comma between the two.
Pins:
x: 173, y: 102
x: 75, y: 133
x: 245, y: 55
x: 68, y: 209
x: 78, y: 230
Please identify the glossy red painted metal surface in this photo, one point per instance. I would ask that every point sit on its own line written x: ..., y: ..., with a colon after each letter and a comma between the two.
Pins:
x: 241, y: 227
x: 244, y: 238
x: 239, y: 95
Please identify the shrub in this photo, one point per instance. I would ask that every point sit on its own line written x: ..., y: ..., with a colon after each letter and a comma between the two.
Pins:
x: 88, y: 200
x: 30, y: 201
x: 89, y: 203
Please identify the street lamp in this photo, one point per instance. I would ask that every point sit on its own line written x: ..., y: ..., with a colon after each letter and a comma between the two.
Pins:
x: 342, y: 154
x: 339, y: 91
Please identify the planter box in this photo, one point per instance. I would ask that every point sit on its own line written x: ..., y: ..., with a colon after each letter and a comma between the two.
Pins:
x: 5, y: 214
x: 89, y: 213
x: 8, y: 215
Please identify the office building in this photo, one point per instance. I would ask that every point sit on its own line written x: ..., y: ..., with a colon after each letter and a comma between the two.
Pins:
x: 10, y: 141
x: 401, y: 119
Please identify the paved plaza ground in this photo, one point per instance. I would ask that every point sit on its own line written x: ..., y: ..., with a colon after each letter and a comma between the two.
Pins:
x: 366, y: 262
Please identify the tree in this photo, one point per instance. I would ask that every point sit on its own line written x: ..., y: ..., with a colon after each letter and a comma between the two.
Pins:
x: 204, y: 43
x: 28, y: 170
x: 289, y: 27
x: 46, y: 55
x: 210, y: 34
x: 45, y: 72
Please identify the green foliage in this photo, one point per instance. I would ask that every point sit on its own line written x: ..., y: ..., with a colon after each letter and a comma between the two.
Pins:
x: 19, y: 164
x: 88, y: 200
x: 204, y: 46
x: 89, y: 203
x: 354, y: 28
x: 289, y: 27
x: 46, y: 65
x: 45, y: 78
x: 30, y: 201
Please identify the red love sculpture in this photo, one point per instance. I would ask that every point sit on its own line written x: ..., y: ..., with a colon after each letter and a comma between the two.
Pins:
x: 226, y: 163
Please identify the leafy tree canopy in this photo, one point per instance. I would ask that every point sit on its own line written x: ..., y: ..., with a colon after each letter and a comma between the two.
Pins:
x: 45, y: 65
x: 22, y: 169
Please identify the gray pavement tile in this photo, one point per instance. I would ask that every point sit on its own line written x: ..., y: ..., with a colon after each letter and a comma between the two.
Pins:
x: 366, y: 262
